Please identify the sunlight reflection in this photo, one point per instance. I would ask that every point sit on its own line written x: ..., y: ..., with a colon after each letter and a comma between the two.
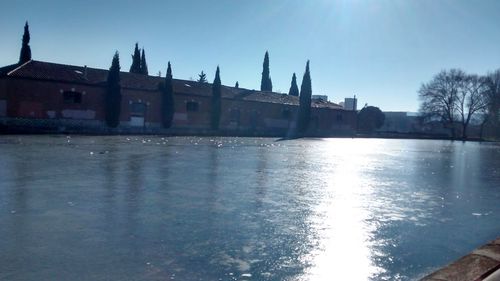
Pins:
x: 343, y: 252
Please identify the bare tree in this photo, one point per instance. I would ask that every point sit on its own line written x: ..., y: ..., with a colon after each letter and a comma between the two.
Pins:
x: 455, y: 97
x: 439, y: 97
x: 471, y: 100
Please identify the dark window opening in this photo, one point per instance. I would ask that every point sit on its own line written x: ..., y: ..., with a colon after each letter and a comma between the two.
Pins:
x: 72, y: 97
x: 138, y: 109
x: 192, y: 106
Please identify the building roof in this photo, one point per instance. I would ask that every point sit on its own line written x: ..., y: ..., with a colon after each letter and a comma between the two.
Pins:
x: 6, y: 69
x: 39, y: 70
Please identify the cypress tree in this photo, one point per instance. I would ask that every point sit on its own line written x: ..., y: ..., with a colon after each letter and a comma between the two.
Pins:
x: 237, y: 85
x: 294, y: 90
x: 25, y: 48
x: 202, y: 77
x: 136, y: 60
x: 266, y: 84
x: 216, y: 101
x: 113, y: 94
x: 305, y: 102
x: 167, y: 101
x: 144, y: 65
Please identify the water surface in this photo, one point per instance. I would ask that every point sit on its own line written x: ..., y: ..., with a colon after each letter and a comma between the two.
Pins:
x: 153, y: 208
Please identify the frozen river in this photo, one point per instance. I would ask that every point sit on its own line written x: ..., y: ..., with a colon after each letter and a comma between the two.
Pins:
x: 187, y: 208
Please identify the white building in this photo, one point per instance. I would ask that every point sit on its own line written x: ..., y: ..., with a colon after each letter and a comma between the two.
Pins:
x: 351, y: 103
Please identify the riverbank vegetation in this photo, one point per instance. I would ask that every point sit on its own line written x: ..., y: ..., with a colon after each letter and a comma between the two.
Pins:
x: 458, y: 99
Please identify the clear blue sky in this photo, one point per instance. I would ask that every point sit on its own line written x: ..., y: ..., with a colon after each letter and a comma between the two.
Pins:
x: 380, y: 50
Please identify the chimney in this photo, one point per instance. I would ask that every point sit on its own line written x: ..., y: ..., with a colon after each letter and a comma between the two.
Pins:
x: 85, y: 72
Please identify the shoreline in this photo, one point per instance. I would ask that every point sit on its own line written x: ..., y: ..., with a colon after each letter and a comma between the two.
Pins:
x: 210, y: 133
x: 477, y: 265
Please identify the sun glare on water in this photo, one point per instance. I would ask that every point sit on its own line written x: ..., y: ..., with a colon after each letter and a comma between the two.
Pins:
x: 344, y: 249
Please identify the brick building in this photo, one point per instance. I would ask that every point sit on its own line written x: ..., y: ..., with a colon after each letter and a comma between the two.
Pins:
x: 50, y: 97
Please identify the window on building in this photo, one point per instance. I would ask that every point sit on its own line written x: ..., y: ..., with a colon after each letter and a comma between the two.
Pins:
x: 138, y: 109
x: 192, y: 106
x: 286, y: 114
x: 72, y: 97
x: 340, y: 118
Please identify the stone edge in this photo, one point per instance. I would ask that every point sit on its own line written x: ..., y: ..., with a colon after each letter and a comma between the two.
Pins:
x: 475, y: 266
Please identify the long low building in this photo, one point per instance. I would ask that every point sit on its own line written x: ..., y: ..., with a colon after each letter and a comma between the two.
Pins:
x: 48, y: 97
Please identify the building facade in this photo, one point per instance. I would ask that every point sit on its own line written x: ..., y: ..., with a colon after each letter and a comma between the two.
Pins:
x: 48, y: 97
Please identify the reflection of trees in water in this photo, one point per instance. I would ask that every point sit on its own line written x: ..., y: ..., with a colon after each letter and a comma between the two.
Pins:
x: 134, y: 178
x: 489, y: 168
x: 160, y: 182
x: 284, y: 236
x: 211, y: 228
x: 14, y: 220
x: 213, y: 171
x: 457, y: 165
x: 23, y: 176
x: 135, y: 182
x: 262, y: 175
x: 109, y: 173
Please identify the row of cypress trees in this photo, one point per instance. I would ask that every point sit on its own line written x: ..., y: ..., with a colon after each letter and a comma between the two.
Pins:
x: 113, y: 98
x: 139, y: 65
x: 266, y: 85
x: 305, y: 94
x: 113, y: 95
